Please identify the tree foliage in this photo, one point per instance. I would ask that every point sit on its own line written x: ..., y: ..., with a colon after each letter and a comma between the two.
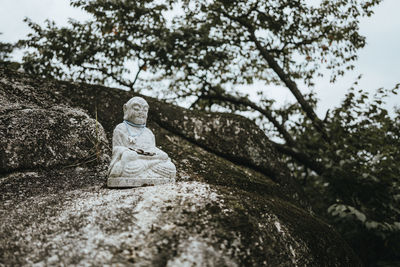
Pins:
x: 358, y: 187
x: 203, y: 50
x: 5, y: 55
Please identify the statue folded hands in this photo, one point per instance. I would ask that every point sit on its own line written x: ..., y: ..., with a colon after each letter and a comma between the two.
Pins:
x: 136, y: 160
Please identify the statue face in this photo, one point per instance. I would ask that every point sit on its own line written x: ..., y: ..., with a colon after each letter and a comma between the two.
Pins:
x: 136, y: 110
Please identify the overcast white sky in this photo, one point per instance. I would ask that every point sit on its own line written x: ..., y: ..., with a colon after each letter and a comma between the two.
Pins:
x: 379, y: 61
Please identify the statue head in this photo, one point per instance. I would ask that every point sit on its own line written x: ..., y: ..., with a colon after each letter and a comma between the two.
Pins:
x: 135, y: 110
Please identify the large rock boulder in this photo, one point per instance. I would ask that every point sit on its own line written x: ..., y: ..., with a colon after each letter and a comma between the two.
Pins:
x: 36, y: 137
x: 234, y: 203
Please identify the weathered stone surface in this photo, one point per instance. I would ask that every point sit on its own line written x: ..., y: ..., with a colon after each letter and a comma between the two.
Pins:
x: 35, y: 137
x: 219, y: 213
x: 169, y: 225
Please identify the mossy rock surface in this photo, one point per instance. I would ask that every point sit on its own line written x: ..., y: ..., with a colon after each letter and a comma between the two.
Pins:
x: 45, y: 138
x: 234, y: 203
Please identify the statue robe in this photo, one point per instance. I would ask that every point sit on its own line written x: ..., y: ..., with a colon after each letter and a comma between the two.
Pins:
x: 127, y: 163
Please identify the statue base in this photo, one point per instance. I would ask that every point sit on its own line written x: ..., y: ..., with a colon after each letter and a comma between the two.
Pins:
x: 121, y: 182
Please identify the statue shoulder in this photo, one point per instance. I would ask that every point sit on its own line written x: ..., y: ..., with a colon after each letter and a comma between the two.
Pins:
x: 120, y: 127
x: 148, y: 131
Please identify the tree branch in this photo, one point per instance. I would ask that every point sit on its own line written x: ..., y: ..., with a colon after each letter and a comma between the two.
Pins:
x: 137, y: 74
x: 246, y: 102
x: 301, y: 157
x: 290, y: 84
x: 287, y: 149
x: 112, y: 76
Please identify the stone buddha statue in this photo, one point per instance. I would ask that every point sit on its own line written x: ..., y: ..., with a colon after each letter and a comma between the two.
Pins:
x: 136, y: 161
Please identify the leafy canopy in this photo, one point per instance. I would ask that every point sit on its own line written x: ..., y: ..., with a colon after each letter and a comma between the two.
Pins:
x: 223, y: 43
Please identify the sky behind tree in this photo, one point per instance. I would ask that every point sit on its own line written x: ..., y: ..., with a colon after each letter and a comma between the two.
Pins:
x: 379, y: 61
